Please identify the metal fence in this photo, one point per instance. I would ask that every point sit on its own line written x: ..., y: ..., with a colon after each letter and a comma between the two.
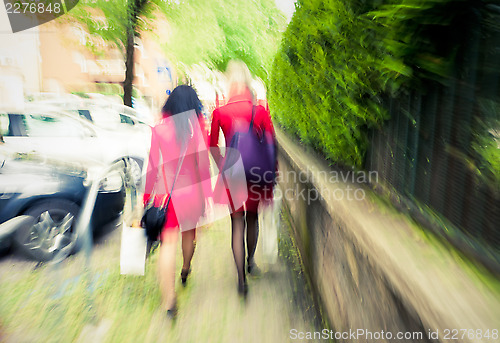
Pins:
x: 428, y: 153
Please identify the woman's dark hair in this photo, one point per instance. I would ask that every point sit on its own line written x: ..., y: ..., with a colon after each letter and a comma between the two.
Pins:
x: 183, y: 99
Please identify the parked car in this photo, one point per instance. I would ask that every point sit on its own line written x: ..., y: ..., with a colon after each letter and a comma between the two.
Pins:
x: 55, y: 133
x: 102, y: 112
x: 52, y: 196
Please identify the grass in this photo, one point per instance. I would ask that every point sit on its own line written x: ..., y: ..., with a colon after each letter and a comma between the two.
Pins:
x: 55, y: 305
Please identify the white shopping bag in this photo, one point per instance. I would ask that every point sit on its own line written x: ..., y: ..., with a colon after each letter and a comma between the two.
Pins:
x: 269, y: 223
x: 133, y: 251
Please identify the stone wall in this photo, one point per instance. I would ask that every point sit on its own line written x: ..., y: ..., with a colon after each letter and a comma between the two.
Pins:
x: 372, y: 268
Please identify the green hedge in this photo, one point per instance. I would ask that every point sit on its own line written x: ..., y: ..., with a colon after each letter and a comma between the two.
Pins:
x: 328, y: 75
x: 339, y: 58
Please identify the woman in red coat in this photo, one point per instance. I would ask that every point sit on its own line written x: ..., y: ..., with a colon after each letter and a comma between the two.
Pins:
x: 178, y: 139
x: 234, y: 117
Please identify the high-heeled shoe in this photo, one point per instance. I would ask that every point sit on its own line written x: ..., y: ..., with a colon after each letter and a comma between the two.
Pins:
x: 243, y: 289
x: 184, y: 275
x: 172, y: 312
x: 252, y: 268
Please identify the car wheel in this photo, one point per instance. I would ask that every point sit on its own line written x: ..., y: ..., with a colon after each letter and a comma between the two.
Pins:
x: 52, y: 232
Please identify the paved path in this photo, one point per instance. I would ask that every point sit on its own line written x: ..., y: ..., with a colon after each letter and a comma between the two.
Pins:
x: 210, y: 309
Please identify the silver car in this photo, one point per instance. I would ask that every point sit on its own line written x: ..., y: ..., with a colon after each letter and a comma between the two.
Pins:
x: 61, y: 135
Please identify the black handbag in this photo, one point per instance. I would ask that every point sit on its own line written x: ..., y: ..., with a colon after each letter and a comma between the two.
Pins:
x: 154, y: 217
x: 153, y: 220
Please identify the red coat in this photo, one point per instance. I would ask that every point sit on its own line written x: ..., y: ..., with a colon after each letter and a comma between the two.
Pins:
x: 234, y: 117
x: 192, y: 186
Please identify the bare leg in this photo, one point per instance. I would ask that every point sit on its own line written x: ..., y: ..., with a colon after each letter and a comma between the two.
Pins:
x: 238, y: 245
x: 166, y: 268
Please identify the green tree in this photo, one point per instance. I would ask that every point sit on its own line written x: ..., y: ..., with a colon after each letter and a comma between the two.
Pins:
x: 202, y: 31
x: 215, y: 31
x: 117, y: 22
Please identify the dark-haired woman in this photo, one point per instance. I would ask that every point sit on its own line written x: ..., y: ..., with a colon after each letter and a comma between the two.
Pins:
x: 178, y: 157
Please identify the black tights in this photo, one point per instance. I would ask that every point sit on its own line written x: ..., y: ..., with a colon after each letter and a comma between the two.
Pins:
x: 238, y: 241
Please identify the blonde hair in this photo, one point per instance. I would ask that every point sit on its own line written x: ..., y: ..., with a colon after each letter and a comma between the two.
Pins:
x: 239, y: 78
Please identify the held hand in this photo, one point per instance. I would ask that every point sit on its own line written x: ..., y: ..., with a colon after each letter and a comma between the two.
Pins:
x: 138, y: 211
x: 136, y: 223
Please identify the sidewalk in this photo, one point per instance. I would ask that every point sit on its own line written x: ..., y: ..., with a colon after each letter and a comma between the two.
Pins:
x: 210, y: 309
x: 65, y: 304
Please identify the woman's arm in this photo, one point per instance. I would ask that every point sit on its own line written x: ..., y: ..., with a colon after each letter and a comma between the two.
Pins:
x: 214, y: 137
x: 265, y: 120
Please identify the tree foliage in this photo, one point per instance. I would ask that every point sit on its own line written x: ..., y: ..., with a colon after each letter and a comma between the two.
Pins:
x: 216, y: 31
x: 117, y: 22
x: 202, y: 31
x: 431, y: 37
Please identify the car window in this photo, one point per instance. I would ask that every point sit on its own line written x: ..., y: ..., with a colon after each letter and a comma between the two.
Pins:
x: 46, y: 125
x: 85, y: 114
x: 126, y: 119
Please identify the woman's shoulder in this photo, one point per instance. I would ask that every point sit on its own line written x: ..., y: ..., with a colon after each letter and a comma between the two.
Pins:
x: 260, y: 108
x: 164, y: 126
x: 261, y: 111
x: 216, y: 111
x: 224, y: 112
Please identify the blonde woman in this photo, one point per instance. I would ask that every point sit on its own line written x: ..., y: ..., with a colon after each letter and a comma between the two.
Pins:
x: 234, y: 117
